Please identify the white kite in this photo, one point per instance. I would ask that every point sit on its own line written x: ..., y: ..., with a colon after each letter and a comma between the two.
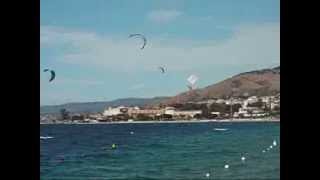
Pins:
x: 192, y: 80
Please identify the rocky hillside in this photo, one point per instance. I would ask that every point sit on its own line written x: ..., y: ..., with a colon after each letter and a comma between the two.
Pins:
x: 260, y: 83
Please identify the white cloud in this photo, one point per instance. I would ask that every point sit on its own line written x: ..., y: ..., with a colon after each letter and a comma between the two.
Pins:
x: 163, y: 16
x: 250, y: 44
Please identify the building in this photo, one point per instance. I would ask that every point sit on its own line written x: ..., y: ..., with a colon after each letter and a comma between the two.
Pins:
x: 187, y: 114
x: 220, y: 101
x: 215, y: 114
x: 275, y: 105
x: 95, y: 116
x: 169, y: 111
x: 252, y: 99
x: 176, y: 113
x: 132, y: 112
x: 114, y: 111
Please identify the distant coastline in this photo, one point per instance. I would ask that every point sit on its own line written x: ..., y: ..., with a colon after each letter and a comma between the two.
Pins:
x: 177, y: 121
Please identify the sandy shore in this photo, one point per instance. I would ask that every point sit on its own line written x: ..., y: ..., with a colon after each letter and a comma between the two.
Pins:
x: 179, y: 121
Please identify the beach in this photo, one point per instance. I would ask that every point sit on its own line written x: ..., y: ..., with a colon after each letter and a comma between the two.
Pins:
x: 175, y: 121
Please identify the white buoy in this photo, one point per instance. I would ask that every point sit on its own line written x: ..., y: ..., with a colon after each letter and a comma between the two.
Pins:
x: 271, y: 147
x: 263, y: 151
x: 131, y: 132
x: 226, y: 166
x: 274, y: 143
x: 243, y: 158
x: 208, y: 175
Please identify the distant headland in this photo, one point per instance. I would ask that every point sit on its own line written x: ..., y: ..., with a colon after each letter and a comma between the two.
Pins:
x: 249, y: 96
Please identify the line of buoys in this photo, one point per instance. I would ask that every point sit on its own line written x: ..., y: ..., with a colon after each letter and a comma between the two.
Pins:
x: 274, y: 143
x: 243, y: 158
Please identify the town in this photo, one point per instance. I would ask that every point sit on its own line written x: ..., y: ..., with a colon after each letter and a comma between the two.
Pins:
x: 252, y: 107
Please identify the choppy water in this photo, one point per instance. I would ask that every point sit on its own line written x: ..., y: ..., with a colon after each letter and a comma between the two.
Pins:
x: 160, y: 151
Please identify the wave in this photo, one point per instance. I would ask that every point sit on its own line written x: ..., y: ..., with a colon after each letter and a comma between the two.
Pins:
x: 220, y: 129
x: 46, y: 137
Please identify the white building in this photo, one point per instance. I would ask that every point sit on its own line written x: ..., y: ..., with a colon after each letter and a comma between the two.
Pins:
x: 169, y: 110
x: 252, y: 99
x: 233, y: 101
x: 242, y: 111
x: 114, y: 111
x: 190, y: 113
x: 228, y: 102
x: 216, y: 114
x: 236, y: 115
x: 172, y: 111
x: 220, y: 101
x: 147, y: 112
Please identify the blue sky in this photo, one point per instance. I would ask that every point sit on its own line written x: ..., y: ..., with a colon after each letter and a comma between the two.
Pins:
x: 86, y: 43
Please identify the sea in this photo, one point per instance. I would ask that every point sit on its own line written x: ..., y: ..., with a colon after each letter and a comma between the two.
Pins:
x: 161, y: 151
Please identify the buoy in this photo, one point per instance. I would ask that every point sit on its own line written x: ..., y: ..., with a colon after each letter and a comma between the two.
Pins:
x: 271, y: 147
x: 243, y: 158
x: 131, y: 132
x: 274, y: 143
x: 113, y: 146
x: 207, y: 175
x: 263, y: 151
x: 226, y: 166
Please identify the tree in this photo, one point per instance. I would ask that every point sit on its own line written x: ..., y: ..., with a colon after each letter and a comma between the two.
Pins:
x: 277, y: 108
x: 205, y: 111
x: 250, y: 112
x: 143, y: 117
x: 215, y: 107
x: 259, y: 104
x: 235, y: 108
x: 64, y: 114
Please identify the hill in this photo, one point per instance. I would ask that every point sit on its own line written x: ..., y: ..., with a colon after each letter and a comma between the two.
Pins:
x: 90, y: 107
x: 259, y: 83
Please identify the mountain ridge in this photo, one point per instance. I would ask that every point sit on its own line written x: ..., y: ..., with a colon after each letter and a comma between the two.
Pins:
x: 98, y: 106
x: 257, y: 82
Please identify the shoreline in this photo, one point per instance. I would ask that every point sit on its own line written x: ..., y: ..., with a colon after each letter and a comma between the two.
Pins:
x: 176, y: 121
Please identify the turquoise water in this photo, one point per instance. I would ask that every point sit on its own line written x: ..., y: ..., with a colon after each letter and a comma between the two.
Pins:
x: 160, y: 151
